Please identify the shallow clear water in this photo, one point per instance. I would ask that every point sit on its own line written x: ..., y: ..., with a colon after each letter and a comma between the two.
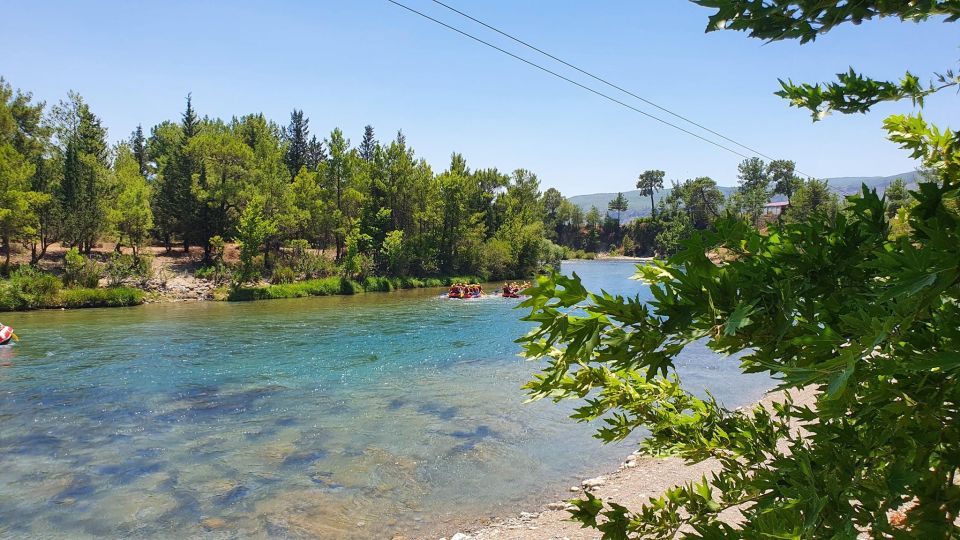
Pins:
x: 340, y: 417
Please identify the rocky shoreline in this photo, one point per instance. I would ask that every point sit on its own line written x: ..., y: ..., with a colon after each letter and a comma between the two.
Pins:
x: 636, y: 480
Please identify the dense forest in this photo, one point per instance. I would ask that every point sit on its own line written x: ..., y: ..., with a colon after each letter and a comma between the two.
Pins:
x: 373, y: 208
x: 299, y: 206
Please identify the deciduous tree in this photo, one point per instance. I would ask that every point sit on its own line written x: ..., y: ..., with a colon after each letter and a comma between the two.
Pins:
x: 867, y: 321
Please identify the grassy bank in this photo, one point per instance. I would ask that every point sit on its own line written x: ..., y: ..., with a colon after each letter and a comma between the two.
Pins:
x: 334, y: 285
x: 38, y: 291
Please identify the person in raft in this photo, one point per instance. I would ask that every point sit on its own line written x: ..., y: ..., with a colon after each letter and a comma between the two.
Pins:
x: 6, y: 334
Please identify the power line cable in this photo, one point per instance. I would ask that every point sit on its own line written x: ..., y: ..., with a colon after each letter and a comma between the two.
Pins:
x: 601, y: 79
x: 567, y: 79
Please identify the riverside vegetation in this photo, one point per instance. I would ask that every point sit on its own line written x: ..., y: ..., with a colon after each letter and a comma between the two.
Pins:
x: 259, y: 203
x: 862, y: 308
x: 290, y: 206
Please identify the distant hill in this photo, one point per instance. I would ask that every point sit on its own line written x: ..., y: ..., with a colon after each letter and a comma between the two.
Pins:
x: 639, y: 206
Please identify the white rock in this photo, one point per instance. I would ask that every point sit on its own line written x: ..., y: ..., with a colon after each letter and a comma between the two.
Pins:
x: 575, y: 488
x: 526, y: 516
x: 591, y: 483
x: 459, y: 536
x: 556, y: 505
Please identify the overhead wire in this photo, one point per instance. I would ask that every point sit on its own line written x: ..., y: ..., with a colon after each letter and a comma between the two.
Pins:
x: 601, y: 79
x: 567, y: 79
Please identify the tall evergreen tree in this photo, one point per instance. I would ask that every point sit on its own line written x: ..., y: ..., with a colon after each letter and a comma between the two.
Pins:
x: 138, y: 144
x: 175, y: 205
x: 781, y: 172
x: 619, y: 204
x: 649, y: 182
x: 368, y: 144
x: 84, y: 172
x: 316, y: 154
x: 189, y: 121
x: 298, y: 143
x: 896, y: 196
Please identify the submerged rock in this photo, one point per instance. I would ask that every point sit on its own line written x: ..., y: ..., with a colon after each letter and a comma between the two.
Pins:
x: 213, y: 523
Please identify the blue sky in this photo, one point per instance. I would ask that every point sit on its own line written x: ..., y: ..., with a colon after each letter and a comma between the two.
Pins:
x: 351, y: 63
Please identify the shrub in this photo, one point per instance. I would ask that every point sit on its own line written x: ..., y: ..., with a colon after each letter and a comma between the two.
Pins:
x: 80, y: 271
x: 380, y: 284
x: 122, y: 267
x: 313, y: 287
x: 28, y: 288
x: 218, y: 248
x: 283, y: 274
x: 349, y: 286
x: 218, y: 273
x: 113, y: 297
x: 412, y: 283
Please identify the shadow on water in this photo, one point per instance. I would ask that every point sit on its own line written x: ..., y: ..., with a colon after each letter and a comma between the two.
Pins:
x: 209, y: 403
x: 125, y: 473
x: 438, y: 410
x: 472, y: 438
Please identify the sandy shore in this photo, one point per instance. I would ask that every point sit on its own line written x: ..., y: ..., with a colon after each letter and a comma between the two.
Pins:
x: 631, y: 485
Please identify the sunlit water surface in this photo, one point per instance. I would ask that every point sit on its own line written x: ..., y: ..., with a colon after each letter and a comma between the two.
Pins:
x: 342, y: 417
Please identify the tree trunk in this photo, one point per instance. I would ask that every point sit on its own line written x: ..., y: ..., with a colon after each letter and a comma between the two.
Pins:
x: 653, y: 209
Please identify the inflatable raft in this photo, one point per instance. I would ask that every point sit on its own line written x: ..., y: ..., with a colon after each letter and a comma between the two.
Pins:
x: 6, y: 335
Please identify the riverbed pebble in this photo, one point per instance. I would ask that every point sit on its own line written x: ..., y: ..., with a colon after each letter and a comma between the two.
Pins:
x: 559, y: 505
x: 213, y: 523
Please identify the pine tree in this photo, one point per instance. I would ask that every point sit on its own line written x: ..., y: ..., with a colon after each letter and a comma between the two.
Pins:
x: 316, y: 154
x: 175, y: 208
x: 138, y: 144
x: 298, y: 144
x: 190, y: 122
x: 619, y: 204
x: 649, y: 182
x: 368, y: 144
x: 84, y: 171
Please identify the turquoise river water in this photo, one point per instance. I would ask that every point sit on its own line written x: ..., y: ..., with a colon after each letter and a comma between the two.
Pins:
x: 339, y: 417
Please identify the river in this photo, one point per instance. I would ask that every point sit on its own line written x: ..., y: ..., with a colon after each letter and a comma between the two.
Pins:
x: 339, y: 417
